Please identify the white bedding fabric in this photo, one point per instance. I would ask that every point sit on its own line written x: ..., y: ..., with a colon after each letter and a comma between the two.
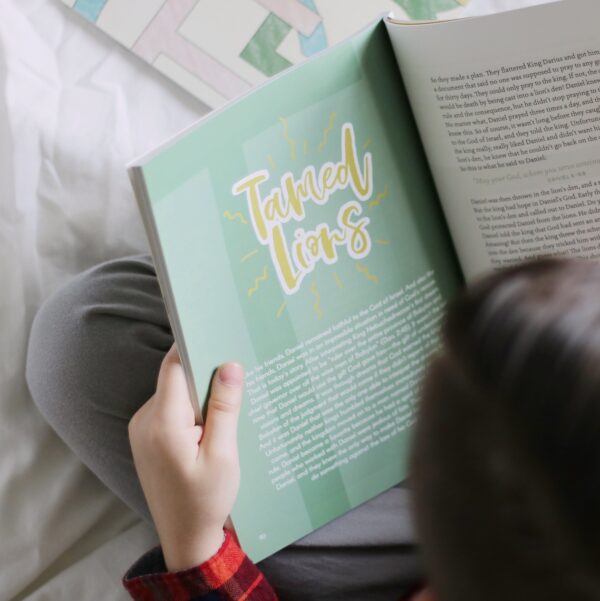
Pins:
x: 74, y: 108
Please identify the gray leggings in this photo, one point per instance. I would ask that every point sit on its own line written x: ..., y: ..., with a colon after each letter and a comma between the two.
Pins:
x: 94, y: 354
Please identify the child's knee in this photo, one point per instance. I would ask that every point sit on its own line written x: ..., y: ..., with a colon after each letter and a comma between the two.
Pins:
x: 57, y: 346
x: 96, y: 342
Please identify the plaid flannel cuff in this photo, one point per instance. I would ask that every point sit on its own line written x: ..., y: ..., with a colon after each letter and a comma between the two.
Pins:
x: 228, y: 575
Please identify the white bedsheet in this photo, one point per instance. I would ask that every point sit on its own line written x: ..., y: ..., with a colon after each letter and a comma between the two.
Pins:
x: 74, y: 108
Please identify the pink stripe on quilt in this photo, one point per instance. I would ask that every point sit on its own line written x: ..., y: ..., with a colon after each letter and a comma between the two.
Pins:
x: 161, y: 37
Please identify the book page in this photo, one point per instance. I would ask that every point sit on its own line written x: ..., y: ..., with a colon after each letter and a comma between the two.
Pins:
x: 508, y: 107
x: 304, y: 239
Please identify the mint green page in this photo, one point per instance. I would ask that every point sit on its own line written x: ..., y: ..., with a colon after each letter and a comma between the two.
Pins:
x: 325, y: 274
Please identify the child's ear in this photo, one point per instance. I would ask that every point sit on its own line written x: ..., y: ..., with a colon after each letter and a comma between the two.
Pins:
x: 424, y: 595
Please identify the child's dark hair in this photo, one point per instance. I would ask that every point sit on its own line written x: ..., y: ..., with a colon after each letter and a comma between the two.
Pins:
x: 506, y: 456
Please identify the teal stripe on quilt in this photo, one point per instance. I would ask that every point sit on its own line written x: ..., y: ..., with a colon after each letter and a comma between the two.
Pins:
x: 90, y: 9
x: 318, y: 40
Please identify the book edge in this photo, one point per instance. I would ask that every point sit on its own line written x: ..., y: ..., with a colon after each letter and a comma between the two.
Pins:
x: 138, y: 183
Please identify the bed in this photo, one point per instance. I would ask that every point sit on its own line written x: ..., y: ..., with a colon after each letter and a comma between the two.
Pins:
x: 74, y: 108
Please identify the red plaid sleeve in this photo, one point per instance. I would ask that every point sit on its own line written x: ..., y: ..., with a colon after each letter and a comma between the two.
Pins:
x: 418, y: 595
x: 227, y: 576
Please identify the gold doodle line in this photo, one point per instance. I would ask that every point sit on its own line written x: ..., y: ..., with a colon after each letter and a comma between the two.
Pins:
x: 287, y: 138
x: 326, y: 131
x: 249, y: 255
x: 257, y: 281
x: 234, y: 216
x: 317, y: 305
x: 384, y: 242
x: 271, y: 162
x: 281, y: 308
x: 377, y: 200
x: 338, y: 281
x: 367, y: 144
x: 371, y: 277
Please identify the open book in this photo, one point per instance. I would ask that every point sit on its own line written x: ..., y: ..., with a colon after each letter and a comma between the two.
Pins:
x: 314, y: 230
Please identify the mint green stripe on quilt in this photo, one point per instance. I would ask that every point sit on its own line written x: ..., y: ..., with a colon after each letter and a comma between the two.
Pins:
x: 261, y: 50
x: 90, y: 9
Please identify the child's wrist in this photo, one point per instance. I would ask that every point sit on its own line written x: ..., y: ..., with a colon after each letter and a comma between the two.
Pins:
x: 184, y: 553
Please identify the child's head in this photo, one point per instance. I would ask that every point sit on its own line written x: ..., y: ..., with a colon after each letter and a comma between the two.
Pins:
x: 506, y: 460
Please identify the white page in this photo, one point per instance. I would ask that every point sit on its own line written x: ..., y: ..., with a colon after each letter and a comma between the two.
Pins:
x: 530, y: 184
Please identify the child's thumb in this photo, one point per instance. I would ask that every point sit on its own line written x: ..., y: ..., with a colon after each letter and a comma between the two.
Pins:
x: 220, y: 430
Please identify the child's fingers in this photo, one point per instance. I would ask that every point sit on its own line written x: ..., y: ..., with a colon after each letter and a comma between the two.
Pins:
x: 172, y: 399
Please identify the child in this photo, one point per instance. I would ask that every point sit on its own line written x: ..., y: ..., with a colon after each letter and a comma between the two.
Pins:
x: 504, y: 458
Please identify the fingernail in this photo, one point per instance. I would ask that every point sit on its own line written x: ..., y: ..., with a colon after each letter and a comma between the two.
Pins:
x: 231, y: 374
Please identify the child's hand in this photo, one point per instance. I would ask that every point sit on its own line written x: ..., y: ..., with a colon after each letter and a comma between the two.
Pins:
x: 189, y: 473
